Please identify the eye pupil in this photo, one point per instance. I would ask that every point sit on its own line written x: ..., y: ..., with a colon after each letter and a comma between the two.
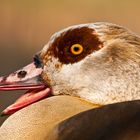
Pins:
x: 76, y: 49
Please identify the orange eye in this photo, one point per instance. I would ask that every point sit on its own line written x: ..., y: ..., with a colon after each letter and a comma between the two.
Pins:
x: 76, y: 49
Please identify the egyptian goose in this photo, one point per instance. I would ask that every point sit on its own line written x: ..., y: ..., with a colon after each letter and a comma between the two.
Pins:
x: 98, y: 63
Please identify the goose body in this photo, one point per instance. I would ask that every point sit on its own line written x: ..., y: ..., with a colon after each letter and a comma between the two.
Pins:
x: 37, y: 120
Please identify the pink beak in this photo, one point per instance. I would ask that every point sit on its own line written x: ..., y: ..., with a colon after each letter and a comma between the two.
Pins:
x: 27, y: 78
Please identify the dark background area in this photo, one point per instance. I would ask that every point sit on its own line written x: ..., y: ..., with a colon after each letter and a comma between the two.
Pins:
x: 25, y: 26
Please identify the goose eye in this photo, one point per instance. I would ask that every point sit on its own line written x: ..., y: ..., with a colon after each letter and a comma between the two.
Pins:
x: 76, y: 49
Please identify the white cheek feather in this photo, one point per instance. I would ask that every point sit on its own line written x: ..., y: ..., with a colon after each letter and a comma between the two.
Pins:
x: 82, y: 83
x: 71, y: 74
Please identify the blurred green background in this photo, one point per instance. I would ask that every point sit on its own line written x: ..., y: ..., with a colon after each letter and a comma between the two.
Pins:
x: 25, y: 26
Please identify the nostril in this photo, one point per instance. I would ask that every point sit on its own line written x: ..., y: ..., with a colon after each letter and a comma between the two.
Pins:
x: 21, y: 74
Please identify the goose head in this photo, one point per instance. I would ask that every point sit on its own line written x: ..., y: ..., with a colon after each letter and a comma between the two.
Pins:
x: 98, y: 62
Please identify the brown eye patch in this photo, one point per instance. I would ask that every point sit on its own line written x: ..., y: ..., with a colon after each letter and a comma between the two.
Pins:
x: 86, y: 37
